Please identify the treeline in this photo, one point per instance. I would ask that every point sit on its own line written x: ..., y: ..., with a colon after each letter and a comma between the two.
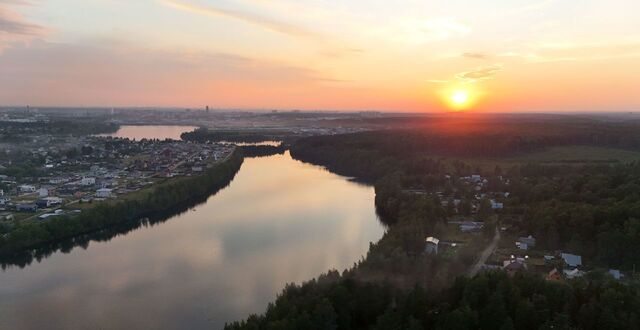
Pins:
x: 482, y: 140
x: 591, y: 210
x: 488, y: 301
x: 41, y: 251
x: 205, y: 135
x: 12, y: 130
x: 262, y: 151
x: 162, y: 198
x: 398, y: 257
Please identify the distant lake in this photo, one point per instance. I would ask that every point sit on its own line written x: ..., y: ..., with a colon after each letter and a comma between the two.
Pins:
x: 279, y: 221
x: 139, y: 132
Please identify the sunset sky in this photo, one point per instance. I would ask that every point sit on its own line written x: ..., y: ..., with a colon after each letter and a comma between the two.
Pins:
x: 405, y: 55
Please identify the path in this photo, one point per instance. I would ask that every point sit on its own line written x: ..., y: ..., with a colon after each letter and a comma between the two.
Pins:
x: 485, y: 254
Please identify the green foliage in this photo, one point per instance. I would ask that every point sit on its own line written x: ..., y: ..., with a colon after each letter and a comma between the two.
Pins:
x: 162, y: 198
x: 488, y: 301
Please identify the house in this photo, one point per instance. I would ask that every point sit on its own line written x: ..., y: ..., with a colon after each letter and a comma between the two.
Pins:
x: 513, y: 266
x: 88, y: 181
x: 46, y: 191
x: 571, y: 260
x: 58, y: 180
x: 26, y: 188
x: 48, y: 215
x: 615, y: 273
x: 103, y: 193
x: 574, y: 273
x: 471, y: 226
x: 432, y: 245
x: 26, y: 207
x: 4, y: 200
x: 196, y: 168
x: 522, y: 246
x: 525, y: 243
x: 496, y: 205
x: 49, y: 201
x: 554, y: 275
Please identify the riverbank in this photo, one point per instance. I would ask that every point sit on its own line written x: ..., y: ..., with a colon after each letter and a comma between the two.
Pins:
x: 157, y: 199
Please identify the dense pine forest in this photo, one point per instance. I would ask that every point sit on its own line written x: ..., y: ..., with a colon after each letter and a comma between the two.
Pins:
x: 582, y: 207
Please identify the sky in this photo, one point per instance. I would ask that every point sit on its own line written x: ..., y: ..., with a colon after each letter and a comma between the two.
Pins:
x: 404, y: 55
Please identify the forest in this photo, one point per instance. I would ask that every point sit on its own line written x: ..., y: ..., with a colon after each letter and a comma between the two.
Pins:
x: 590, y: 209
x: 262, y: 151
x: 490, y: 300
x: 247, y: 136
x: 11, y: 131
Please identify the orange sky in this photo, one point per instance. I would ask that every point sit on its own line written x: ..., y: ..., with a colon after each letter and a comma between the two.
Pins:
x: 516, y: 55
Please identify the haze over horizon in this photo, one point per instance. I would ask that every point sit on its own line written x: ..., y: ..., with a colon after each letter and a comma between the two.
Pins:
x: 409, y: 56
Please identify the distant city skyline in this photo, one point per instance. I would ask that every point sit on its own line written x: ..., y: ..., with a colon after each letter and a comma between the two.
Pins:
x: 405, y: 56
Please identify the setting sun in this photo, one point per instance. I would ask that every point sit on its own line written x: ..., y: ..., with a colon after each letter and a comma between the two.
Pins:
x: 460, y: 97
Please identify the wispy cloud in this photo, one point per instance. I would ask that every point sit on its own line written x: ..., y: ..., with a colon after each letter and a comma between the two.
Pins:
x: 52, y: 73
x: 475, y: 55
x: 479, y: 74
x: 421, y: 31
x: 13, y: 27
x: 261, y: 21
x: 578, y: 51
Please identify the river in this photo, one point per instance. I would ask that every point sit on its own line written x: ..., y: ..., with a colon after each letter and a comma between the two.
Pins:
x: 279, y: 221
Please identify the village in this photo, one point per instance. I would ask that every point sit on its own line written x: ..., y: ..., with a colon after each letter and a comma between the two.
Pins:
x: 97, y: 169
x: 508, y: 250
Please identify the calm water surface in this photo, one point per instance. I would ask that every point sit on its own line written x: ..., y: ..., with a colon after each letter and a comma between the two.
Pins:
x: 279, y: 221
x: 139, y: 132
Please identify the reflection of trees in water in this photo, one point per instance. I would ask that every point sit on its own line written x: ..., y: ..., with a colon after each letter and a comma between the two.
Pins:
x: 25, y: 258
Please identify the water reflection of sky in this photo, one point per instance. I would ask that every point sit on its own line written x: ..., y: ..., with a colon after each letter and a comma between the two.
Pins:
x: 279, y: 221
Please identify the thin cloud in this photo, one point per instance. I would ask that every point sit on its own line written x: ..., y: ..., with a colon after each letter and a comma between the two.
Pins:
x: 14, y: 28
x: 579, y: 51
x: 49, y: 73
x: 13, y: 23
x: 474, y: 55
x: 264, y: 22
x: 479, y: 74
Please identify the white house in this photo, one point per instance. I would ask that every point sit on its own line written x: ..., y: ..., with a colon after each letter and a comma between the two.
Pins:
x: 615, y: 273
x: 574, y: 273
x: 88, y: 181
x: 103, y: 193
x: 432, y: 245
x: 43, y: 192
x: 26, y: 188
